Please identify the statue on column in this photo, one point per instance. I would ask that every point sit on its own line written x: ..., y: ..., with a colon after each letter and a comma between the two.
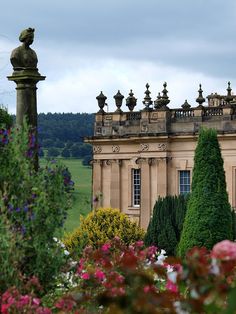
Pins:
x: 23, y: 57
x: 26, y: 76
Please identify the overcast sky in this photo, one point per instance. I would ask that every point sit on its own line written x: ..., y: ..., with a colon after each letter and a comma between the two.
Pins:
x: 89, y: 46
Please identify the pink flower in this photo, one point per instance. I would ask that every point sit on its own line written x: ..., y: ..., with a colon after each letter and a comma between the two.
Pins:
x: 224, y: 250
x: 4, y: 308
x: 24, y: 300
x: 139, y: 243
x: 99, y: 275
x: 106, y: 247
x: 85, y: 276
x: 36, y: 301
x: 171, y: 286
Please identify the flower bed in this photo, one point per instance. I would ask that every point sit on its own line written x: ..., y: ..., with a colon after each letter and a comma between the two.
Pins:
x: 116, y: 278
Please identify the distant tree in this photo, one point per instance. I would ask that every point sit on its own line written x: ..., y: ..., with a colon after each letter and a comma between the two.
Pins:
x: 75, y: 151
x: 69, y: 144
x: 53, y: 152
x: 59, y: 144
x: 208, y: 219
x: 166, y: 224
x: 86, y: 160
x: 41, y: 152
x: 65, y: 153
x: 48, y: 142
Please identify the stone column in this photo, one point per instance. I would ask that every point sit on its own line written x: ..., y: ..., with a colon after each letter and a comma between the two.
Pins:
x: 115, y: 183
x: 26, y: 102
x: 97, y: 180
x: 162, y: 177
x: 145, y: 209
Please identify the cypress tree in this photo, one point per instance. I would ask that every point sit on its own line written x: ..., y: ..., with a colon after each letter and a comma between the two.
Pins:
x: 208, y: 219
x: 166, y: 224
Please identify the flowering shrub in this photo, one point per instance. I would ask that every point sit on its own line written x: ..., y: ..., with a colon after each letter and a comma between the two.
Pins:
x: 116, y: 278
x: 12, y: 301
x: 33, y: 206
x: 100, y: 226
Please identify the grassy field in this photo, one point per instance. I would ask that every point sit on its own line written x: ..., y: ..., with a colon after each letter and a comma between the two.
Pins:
x: 82, y: 176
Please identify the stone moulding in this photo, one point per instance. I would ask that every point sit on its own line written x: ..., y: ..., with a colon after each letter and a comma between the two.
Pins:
x: 115, y: 148
x: 97, y: 149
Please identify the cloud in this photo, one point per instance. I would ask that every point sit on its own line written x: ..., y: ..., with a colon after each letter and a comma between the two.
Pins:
x: 77, y: 91
x: 84, y: 47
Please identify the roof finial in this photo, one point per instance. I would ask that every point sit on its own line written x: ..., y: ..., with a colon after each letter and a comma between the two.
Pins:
x: 147, y: 101
x: 101, y: 102
x: 118, y: 99
x: 200, y: 98
x: 131, y: 101
x: 165, y: 98
x: 229, y: 97
x: 186, y: 105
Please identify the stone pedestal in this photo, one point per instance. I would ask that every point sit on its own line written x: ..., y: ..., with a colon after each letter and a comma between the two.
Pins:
x: 26, y: 101
x: 26, y: 104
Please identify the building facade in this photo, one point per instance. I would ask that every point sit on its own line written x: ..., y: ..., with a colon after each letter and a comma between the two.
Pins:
x: 140, y: 155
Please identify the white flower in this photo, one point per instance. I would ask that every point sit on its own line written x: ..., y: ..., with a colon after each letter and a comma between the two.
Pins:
x: 161, y: 258
x: 215, y: 270
x: 179, y: 309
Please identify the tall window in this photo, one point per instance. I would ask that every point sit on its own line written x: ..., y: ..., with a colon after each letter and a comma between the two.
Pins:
x: 184, y: 181
x: 136, y: 187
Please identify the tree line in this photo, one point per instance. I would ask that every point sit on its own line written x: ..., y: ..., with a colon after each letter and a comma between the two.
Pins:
x: 62, y: 134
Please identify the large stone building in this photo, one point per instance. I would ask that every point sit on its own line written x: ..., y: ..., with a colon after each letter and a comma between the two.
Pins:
x: 140, y: 155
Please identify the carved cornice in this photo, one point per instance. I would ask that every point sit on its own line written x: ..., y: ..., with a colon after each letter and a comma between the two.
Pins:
x: 97, y: 149
x: 162, y: 147
x: 115, y: 148
x: 109, y: 162
x: 144, y: 147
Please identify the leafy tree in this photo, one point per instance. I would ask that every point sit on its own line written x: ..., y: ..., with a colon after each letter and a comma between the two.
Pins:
x: 86, y: 160
x: 166, y: 224
x: 76, y: 151
x: 59, y: 144
x: 48, y: 143
x: 6, y: 120
x: 65, y: 153
x: 53, y: 152
x: 208, y: 219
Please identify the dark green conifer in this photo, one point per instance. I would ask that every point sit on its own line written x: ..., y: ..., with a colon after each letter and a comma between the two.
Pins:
x: 166, y: 224
x: 208, y: 219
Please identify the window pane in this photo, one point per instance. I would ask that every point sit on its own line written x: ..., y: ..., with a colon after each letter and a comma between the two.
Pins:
x: 184, y: 181
x: 136, y: 186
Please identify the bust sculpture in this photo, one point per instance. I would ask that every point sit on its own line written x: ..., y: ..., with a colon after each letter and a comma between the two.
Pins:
x: 23, y: 57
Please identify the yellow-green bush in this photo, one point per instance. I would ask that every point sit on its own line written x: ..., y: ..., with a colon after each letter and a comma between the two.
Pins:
x: 101, y: 225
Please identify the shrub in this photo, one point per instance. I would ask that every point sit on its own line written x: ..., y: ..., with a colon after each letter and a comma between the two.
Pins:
x: 101, y: 225
x: 33, y: 206
x: 6, y: 119
x: 208, y: 219
x: 165, y: 227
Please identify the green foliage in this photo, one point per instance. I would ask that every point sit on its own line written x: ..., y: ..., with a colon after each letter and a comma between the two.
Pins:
x: 65, y: 126
x: 65, y: 153
x: 165, y: 227
x: 101, y: 225
x: 6, y: 119
x: 208, y: 218
x: 53, y: 152
x: 33, y: 209
x: 59, y: 132
x: 234, y: 223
